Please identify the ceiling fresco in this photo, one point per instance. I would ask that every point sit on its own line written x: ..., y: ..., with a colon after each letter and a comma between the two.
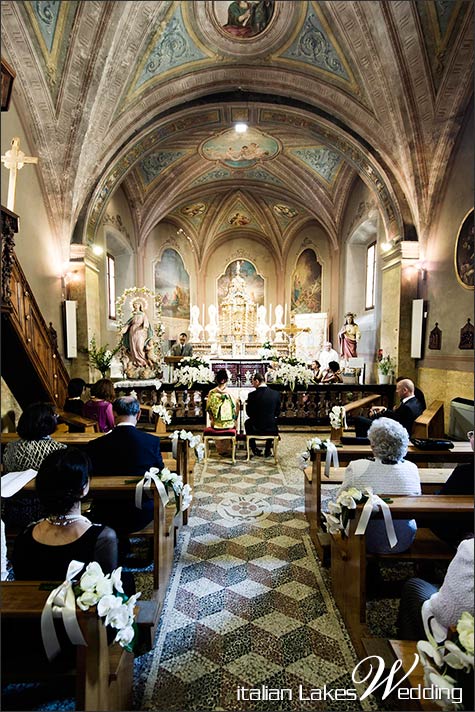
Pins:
x: 144, y: 96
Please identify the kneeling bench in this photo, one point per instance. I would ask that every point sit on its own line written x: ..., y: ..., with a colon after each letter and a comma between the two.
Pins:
x: 275, y: 443
x: 212, y: 435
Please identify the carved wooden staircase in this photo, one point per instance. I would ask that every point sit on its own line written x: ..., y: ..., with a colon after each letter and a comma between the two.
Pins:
x: 31, y: 364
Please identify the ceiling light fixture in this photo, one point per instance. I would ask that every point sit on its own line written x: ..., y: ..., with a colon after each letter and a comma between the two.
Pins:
x: 240, y: 128
x: 97, y: 250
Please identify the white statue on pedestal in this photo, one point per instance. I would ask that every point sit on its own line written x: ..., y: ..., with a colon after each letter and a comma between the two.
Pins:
x: 195, y: 327
x: 262, y: 328
x: 279, y: 324
x: 212, y: 326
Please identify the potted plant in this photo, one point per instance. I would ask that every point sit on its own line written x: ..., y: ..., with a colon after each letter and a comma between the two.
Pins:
x: 101, y: 356
x: 386, y: 369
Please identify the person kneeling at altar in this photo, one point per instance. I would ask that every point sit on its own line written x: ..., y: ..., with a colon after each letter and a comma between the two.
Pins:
x: 222, y: 410
x: 389, y: 473
x: 44, y: 550
x: 127, y: 452
x: 263, y: 408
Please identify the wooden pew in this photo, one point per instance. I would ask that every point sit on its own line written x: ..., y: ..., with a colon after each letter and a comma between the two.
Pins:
x: 356, y: 405
x: 103, y: 673
x: 349, y: 557
x: 430, y: 424
x: 346, y: 453
x: 79, y: 422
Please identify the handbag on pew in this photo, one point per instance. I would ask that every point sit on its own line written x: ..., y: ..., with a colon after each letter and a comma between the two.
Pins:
x: 432, y: 443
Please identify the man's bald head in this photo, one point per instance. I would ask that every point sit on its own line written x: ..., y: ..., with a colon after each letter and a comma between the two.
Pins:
x: 405, y: 388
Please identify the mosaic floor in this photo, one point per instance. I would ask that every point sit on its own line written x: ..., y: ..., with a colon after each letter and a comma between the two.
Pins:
x: 248, y: 606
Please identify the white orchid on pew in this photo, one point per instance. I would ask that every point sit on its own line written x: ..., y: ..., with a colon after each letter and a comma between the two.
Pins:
x: 175, y: 482
x: 162, y: 413
x: 337, y: 417
x: 95, y: 588
x: 303, y: 459
x: 340, y: 511
x: 194, y: 442
x: 450, y: 665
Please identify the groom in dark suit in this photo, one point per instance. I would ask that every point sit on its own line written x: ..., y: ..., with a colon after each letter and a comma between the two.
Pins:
x: 406, y: 413
x: 263, y: 408
x: 124, y: 451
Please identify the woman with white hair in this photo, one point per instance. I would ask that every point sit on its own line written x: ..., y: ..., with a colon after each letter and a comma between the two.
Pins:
x: 387, y: 474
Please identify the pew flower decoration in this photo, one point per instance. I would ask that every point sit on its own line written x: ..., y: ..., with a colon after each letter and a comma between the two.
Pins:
x: 290, y: 371
x: 194, y: 442
x: 450, y: 665
x: 162, y: 413
x: 303, y: 460
x: 343, y: 509
x: 107, y: 593
x: 338, y: 417
x: 193, y: 370
x: 174, y: 482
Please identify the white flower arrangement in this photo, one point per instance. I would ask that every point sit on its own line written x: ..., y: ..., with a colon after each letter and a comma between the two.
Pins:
x: 303, y: 459
x: 338, y: 417
x: 343, y: 509
x: 192, y: 369
x: 267, y: 352
x: 175, y: 482
x: 450, y: 664
x: 194, y: 442
x: 290, y: 371
x: 162, y: 413
x: 107, y: 593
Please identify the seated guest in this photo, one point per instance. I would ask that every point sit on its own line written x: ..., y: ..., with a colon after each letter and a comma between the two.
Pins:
x: 263, y: 408
x: 73, y: 403
x: 35, y: 426
x: 332, y: 374
x: 222, y: 409
x: 425, y: 609
x: 316, y: 368
x: 388, y: 474
x: 99, y: 407
x: 406, y: 413
x: 417, y: 393
x: 44, y: 550
x: 182, y: 348
x: 124, y: 451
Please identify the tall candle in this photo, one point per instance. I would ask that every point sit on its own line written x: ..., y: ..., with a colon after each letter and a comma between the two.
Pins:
x: 270, y: 315
x: 203, y: 310
x: 285, y: 315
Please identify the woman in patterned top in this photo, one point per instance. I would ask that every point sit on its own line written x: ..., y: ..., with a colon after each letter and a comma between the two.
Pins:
x: 35, y: 426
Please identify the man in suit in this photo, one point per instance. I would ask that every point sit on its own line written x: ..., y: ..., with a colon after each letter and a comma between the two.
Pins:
x: 263, y: 408
x: 124, y: 451
x: 406, y: 413
x: 182, y: 348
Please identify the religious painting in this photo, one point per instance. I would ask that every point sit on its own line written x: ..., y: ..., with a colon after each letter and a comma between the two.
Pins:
x: 464, y: 253
x: 238, y: 219
x: 240, y: 150
x: 8, y: 75
x: 307, y: 284
x: 284, y: 211
x: 243, y: 18
x: 243, y: 274
x: 172, y: 282
x: 194, y: 209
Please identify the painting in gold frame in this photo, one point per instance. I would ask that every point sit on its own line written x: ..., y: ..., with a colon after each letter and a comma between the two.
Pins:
x: 464, y: 252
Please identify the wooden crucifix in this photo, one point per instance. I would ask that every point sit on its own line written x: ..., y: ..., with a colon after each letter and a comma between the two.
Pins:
x: 14, y: 159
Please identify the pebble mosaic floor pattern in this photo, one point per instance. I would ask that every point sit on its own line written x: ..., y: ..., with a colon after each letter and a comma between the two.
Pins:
x: 248, y: 606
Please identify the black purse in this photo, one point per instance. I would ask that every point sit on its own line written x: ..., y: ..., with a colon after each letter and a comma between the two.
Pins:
x: 432, y: 443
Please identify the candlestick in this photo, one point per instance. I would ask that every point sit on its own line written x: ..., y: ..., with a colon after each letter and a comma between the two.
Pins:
x: 270, y: 315
x: 203, y: 312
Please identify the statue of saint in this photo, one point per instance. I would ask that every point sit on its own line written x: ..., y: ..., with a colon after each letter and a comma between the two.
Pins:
x: 137, y: 335
x: 237, y: 286
x: 195, y: 327
x: 212, y: 326
x: 348, y: 337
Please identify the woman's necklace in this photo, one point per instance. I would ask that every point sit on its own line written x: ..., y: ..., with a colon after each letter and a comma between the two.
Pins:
x: 64, y: 520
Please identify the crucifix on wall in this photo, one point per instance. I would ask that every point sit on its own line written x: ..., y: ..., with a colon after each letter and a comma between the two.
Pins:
x: 14, y: 159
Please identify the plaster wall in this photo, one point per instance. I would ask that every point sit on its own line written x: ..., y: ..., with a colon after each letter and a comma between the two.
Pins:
x: 38, y: 249
x: 445, y: 385
x: 449, y: 303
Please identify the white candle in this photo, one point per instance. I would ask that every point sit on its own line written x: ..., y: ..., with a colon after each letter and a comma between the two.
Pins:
x: 203, y: 310
x: 285, y: 315
x: 270, y: 315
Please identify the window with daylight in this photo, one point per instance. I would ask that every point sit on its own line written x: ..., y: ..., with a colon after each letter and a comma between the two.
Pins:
x: 370, y: 275
x: 111, y: 285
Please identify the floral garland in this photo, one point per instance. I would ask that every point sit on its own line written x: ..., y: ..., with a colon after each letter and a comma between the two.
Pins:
x: 107, y: 593
x: 192, y: 369
x: 194, y: 442
x: 450, y: 664
x: 338, y: 417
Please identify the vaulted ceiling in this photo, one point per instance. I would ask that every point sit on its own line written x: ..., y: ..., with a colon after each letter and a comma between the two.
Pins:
x: 144, y: 95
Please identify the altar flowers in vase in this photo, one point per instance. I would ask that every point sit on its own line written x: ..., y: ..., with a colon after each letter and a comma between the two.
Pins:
x: 192, y: 369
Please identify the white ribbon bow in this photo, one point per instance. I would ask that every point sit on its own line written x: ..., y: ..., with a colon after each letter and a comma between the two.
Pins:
x: 61, y: 603
x: 332, y: 457
x: 151, y: 476
x: 371, y: 505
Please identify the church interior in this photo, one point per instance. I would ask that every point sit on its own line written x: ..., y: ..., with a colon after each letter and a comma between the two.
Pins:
x: 240, y: 171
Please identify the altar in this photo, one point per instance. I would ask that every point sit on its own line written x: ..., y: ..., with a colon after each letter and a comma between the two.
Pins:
x: 241, y: 369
